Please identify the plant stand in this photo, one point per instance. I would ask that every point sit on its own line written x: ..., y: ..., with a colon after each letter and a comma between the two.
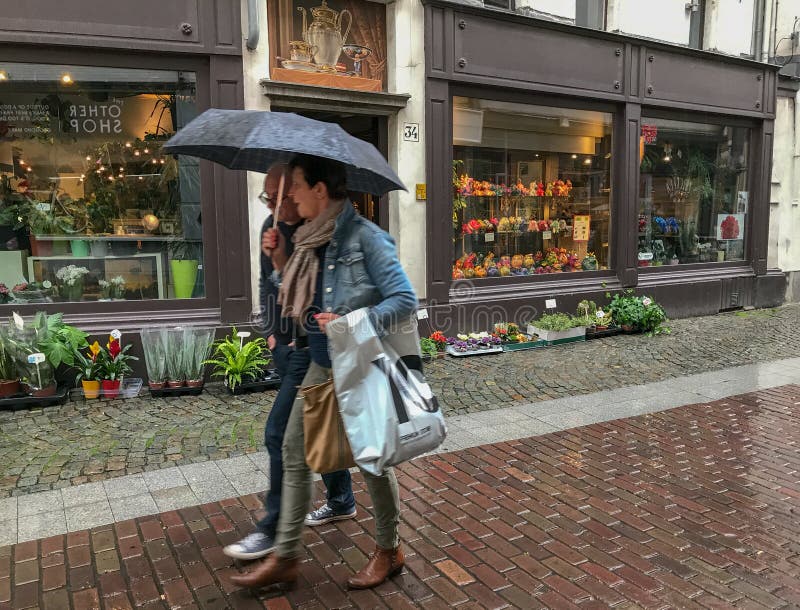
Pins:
x: 180, y: 391
x: 270, y: 380
x: 20, y: 401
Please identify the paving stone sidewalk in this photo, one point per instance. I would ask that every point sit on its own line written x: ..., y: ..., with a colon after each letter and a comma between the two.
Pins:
x: 82, y: 442
x: 695, y: 507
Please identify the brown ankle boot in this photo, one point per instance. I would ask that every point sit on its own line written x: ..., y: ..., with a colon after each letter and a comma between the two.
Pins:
x: 381, y: 565
x: 273, y: 570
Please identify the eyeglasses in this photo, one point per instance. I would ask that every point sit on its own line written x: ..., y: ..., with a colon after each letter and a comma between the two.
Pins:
x: 265, y: 198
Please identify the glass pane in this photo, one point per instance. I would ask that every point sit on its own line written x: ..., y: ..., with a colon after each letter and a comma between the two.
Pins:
x: 90, y: 209
x: 693, y: 192
x: 532, y: 189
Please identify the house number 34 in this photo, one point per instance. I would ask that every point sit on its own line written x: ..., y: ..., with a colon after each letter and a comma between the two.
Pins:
x: 411, y: 132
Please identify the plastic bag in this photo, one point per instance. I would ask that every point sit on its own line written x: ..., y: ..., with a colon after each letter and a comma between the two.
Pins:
x: 389, y: 411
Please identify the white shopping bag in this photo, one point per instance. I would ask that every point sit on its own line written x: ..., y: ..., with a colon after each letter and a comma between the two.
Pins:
x: 389, y: 412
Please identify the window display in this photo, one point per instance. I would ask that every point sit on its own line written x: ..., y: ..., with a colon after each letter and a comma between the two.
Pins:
x: 531, y: 189
x: 90, y: 210
x: 693, y: 192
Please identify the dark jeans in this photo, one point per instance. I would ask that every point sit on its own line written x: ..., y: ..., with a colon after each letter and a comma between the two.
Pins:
x: 292, y: 366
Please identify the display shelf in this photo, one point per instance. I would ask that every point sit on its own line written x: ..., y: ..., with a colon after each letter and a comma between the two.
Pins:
x: 108, y: 262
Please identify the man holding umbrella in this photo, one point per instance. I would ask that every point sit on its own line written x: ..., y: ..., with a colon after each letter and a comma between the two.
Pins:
x: 290, y: 354
x: 341, y: 262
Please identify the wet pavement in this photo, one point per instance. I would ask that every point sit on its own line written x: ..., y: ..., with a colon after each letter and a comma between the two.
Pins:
x: 691, y: 507
x: 83, y: 442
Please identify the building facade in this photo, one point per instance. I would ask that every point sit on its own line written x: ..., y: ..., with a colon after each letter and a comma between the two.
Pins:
x: 96, y: 222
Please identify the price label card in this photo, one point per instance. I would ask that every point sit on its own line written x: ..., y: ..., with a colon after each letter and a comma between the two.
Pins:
x: 18, y: 321
x: 243, y: 334
x: 550, y: 304
x: 115, y: 334
x: 547, y: 234
x: 43, y: 206
x: 580, y: 227
x: 422, y: 314
x: 489, y: 237
x: 37, y: 358
x: 645, y: 256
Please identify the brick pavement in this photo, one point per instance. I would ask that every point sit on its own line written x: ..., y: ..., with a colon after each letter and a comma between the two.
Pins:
x: 82, y: 442
x: 695, y: 507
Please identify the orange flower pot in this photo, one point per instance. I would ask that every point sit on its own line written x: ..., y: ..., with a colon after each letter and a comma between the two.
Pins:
x: 91, y: 389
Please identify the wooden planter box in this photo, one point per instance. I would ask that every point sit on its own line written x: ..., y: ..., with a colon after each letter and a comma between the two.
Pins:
x: 557, y: 337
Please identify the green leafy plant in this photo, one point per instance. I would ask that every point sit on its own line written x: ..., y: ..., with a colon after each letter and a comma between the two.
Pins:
x: 154, y: 345
x: 55, y: 339
x: 556, y: 322
x: 428, y: 348
x: 8, y: 367
x: 196, y: 347
x: 237, y: 361
x: 586, y: 312
x: 626, y: 309
x: 174, y: 354
x: 653, y: 318
x: 88, y: 365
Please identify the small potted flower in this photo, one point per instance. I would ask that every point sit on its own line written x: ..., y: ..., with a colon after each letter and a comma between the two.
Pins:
x: 439, y: 339
x: 118, y: 288
x: 71, y: 278
x: 105, y: 290
x: 602, y: 319
x: 114, y: 366
x: 89, y: 370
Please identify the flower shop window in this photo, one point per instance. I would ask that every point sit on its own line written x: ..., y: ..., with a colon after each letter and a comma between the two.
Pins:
x: 531, y: 189
x: 90, y: 208
x: 694, y: 192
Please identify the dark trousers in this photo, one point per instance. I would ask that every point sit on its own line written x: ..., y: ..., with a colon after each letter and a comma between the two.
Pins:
x: 292, y: 366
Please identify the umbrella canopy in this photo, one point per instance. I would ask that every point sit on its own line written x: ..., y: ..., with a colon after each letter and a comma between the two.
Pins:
x: 254, y: 140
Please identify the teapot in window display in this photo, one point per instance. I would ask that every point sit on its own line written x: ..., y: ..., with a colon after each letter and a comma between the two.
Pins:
x: 325, y: 34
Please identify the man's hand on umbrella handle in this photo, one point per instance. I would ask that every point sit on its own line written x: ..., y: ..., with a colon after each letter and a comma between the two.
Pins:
x: 273, y: 245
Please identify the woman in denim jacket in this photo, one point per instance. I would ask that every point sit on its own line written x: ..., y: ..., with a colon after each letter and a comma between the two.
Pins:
x: 341, y: 262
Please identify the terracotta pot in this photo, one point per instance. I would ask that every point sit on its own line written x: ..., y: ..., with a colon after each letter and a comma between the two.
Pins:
x: 599, y: 327
x: 48, y: 391
x: 175, y: 383
x: 626, y: 328
x: 194, y: 383
x: 156, y: 385
x: 91, y: 389
x: 110, y: 387
x: 8, y: 387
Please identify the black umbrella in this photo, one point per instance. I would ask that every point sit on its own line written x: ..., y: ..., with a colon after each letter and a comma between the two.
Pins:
x: 254, y: 140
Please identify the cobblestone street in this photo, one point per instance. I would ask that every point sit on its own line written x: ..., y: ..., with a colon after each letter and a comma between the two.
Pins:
x: 694, y: 507
x: 81, y: 442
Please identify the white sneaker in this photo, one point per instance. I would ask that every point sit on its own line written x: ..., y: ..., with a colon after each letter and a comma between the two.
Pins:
x: 253, y: 546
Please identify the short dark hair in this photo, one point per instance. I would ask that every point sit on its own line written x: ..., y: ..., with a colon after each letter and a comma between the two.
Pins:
x: 318, y: 169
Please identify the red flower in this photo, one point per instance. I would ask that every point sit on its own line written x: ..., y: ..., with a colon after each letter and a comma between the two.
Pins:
x: 113, y: 347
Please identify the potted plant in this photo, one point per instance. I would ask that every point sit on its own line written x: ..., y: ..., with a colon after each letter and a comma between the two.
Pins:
x: 653, y: 318
x: 238, y: 362
x: 196, y: 347
x: 118, y: 288
x: 557, y: 327
x: 114, y: 366
x: 183, y: 268
x: 174, y: 358
x: 34, y: 371
x: 603, y: 319
x: 440, y: 340
x: 89, y: 370
x: 627, y: 310
x: 586, y: 313
x: 9, y: 382
x: 428, y: 348
x: 105, y: 290
x: 71, y: 278
x: 154, y: 344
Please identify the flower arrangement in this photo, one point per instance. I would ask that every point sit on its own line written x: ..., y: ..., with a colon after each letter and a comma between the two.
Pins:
x: 508, y: 332
x: 473, y: 341
x: 89, y: 370
x: 439, y: 340
x: 117, y: 287
x: 467, y: 186
x: 71, y: 274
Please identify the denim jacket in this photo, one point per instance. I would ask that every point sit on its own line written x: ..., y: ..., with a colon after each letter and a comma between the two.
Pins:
x: 361, y: 269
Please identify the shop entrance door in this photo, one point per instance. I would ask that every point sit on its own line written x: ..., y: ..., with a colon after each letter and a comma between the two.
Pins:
x: 372, y: 129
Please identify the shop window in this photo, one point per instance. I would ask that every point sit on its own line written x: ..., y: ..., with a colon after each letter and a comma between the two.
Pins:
x: 90, y: 208
x: 338, y: 43
x: 693, y: 192
x: 531, y: 189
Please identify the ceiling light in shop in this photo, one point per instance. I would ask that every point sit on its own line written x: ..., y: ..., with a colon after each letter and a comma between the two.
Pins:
x: 574, y: 156
x: 587, y: 161
x: 3, y: 75
x: 66, y: 79
x: 127, y: 144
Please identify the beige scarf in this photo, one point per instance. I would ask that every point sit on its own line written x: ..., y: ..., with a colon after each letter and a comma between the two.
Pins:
x: 300, y: 274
